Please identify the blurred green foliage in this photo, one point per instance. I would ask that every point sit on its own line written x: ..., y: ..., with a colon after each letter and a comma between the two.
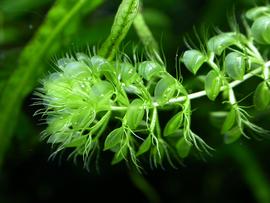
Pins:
x: 35, y: 33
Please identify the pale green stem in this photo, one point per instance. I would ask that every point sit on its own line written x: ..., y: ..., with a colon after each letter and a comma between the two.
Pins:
x: 211, y: 61
x: 198, y: 94
x: 232, y: 96
x: 266, y: 71
x: 203, y: 93
x: 145, y: 34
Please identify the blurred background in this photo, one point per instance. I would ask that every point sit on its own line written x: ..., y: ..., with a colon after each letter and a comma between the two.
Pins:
x: 33, y: 34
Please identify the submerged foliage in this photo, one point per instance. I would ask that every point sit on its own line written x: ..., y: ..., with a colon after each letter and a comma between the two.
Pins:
x: 94, y: 103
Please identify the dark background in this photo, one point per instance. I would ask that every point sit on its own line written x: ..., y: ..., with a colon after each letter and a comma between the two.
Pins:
x: 27, y: 176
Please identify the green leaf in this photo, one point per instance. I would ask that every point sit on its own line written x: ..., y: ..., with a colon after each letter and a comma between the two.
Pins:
x: 101, y: 65
x: 122, y: 154
x: 257, y: 12
x: 58, y: 124
x: 84, y: 58
x: 59, y: 137
x: 158, y: 154
x: 76, y: 142
x: 261, y: 96
x: 102, y: 89
x: 165, y: 89
x: 114, y: 138
x: 260, y: 30
x: 183, y: 147
x: 173, y: 124
x: 212, y: 84
x: 145, y: 146
x: 193, y: 60
x: 234, y: 65
x: 76, y: 70
x: 150, y: 69
x: 218, y: 43
x: 128, y: 73
x: 232, y: 135
x: 217, y: 118
x: 229, y: 121
x: 124, y: 17
x: 55, y: 86
x: 135, y: 113
x: 83, y: 117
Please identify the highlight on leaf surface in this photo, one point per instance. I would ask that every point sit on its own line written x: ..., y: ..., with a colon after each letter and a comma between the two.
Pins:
x: 150, y: 69
x: 235, y: 65
x: 220, y: 42
x: 261, y: 30
x: 212, y: 84
x: 193, y: 60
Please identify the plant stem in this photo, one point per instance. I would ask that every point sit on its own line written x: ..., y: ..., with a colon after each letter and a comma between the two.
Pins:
x: 145, y: 34
x: 203, y: 92
x: 198, y: 94
x: 141, y: 183
x: 252, y: 172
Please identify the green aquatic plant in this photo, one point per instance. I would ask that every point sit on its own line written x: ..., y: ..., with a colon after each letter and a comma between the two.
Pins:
x: 106, y: 101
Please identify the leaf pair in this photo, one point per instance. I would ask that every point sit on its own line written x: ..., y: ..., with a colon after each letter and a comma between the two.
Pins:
x: 116, y: 142
x: 165, y: 89
x: 172, y: 129
x: 220, y: 42
x: 230, y: 128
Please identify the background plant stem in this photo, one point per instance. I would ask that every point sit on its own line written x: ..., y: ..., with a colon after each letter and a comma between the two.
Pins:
x: 145, y: 34
x: 24, y: 78
x: 141, y: 183
x: 252, y: 172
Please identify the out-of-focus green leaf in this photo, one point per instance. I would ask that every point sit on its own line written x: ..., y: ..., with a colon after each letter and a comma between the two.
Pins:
x: 13, y: 9
x: 261, y: 96
x: 183, y: 147
x: 257, y: 12
x: 26, y: 75
x: 229, y: 121
x: 232, y: 135
x: 260, y: 30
